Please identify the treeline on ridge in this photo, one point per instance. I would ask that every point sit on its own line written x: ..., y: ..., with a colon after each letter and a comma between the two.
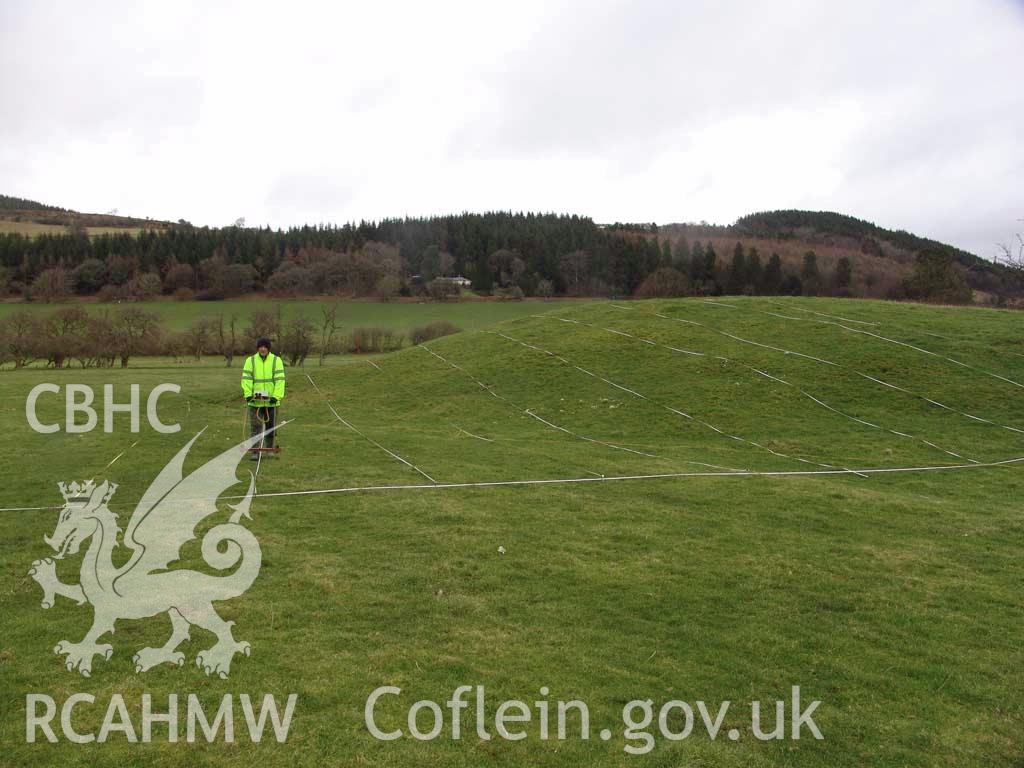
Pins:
x: 8, y: 203
x: 504, y: 254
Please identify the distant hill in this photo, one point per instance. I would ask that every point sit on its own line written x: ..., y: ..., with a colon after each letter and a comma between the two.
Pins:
x: 32, y: 218
x: 886, y: 255
x: 801, y: 224
x: 505, y: 254
x: 8, y: 203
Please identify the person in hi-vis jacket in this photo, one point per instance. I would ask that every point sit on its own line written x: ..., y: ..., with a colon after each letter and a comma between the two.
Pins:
x: 263, y: 387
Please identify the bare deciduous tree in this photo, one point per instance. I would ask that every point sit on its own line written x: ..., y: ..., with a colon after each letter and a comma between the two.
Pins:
x: 20, y: 336
x: 507, y: 265
x: 178, y: 345
x: 440, y: 289
x: 136, y: 332
x: 445, y: 263
x: 51, y: 285
x: 1012, y: 253
x: 65, y: 336
x: 328, y: 327
x: 97, y: 349
x: 574, y: 269
x: 264, y: 322
x: 198, y: 335
x: 226, y: 337
x: 297, y: 343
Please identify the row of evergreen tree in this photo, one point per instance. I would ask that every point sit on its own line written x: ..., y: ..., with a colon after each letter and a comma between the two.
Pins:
x: 8, y: 203
x: 618, y: 262
x: 528, y: 254
x: 747, y: 273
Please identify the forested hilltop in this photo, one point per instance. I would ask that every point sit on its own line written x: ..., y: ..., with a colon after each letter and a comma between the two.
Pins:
x: 504, y: 254
x: 8, y: 203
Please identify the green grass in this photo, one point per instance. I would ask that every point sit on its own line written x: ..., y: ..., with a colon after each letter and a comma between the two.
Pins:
x: 469, y: 315
x: 32, y: 229
x: 895, y: 599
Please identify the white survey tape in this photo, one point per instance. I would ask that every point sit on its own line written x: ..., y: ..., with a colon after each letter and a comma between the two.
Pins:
x: 827, y: 362
x: 660, y: 405
x: 662, y: 476
x: 478, y: 437
x: 365, y: 436
x: 866, y: 472
x: 740, y: 363
x: 558, y: 427
x: 819, y: 314
x: 603, y: 479
x: 588, y: 439
x: 922, y: 350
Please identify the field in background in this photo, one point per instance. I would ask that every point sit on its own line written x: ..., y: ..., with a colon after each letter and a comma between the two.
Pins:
x: 892, y: 597
x: 401, y: 315
x: 32, y: 228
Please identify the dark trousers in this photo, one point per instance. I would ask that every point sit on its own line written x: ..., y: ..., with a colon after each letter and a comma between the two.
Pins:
x: 261, y: 418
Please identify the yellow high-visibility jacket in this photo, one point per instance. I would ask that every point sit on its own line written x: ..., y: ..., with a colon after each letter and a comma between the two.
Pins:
x: 263, y: 375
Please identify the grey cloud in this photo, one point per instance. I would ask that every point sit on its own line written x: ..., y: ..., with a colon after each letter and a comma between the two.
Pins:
x: 643, y: 72
x: 308, y: 114
x: 309, y: 195
x: 69, y: 76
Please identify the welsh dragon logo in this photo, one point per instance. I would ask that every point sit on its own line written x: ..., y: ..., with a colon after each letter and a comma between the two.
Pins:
x: 164, y: 520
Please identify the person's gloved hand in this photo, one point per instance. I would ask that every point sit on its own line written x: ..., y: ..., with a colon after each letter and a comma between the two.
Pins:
x: 273, y: 401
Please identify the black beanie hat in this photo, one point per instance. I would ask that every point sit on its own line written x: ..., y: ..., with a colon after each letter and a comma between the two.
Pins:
x: 263, y: 342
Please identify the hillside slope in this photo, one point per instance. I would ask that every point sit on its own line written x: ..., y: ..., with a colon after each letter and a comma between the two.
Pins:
x: 32, y: 218
x: 502, y: 253
x: 887, y: 256
x: 471, y: 522
x: 8, y: 203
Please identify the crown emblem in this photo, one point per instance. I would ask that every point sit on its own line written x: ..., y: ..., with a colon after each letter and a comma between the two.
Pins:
x: 83, y: 493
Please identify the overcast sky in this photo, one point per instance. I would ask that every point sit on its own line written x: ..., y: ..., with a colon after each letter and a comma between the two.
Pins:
x: 908, y: 114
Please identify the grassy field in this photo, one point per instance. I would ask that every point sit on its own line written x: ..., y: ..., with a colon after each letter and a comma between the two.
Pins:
x: 32, y: 228
x: 401, y: 315
x: 760, y: 559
